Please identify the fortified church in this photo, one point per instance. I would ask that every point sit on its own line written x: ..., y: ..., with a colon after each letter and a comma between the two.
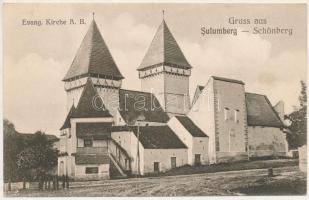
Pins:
x: 110, y: 131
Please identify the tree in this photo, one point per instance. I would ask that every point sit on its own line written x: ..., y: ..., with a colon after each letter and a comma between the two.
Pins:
x: 297, y: 135
x: 12, y: 146
x: 38, y: 157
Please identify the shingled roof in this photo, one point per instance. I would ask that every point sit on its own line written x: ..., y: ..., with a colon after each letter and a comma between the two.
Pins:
x: 93, y: 57
x: 85, y: 107
x: 159, y: 137
x: 164, y: 50
x: 133, y: 104
x: 191, y: 127
x: 67, y: 123
x: 260, y: 111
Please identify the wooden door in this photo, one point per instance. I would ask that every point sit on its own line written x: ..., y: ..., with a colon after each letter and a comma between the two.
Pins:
x: 173, y: 162
x: 197, y: 159
x: 156, y: 167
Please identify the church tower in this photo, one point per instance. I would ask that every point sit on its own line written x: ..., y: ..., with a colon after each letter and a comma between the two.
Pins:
x: 93, y: 60
x: 165, y: 72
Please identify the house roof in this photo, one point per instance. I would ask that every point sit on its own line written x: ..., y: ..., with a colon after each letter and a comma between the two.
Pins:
x: 191, y: 127
x: 164, y: 50
x: 228, y: 80
x: 90, y: 104
x: 96, y: 130
x: 93, y: 57
x: 81, y: 159
x: 260, y: 111
x: 158, y: 137
x: 67, y: 123
x: 133, y: 104
x: 197, y: 93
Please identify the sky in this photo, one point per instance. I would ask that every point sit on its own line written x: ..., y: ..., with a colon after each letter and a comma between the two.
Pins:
x: 36, y: 58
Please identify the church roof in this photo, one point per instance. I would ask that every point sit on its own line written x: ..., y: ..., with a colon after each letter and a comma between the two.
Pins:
x: 191, y: 127
x: 159, y: 137
x: 133, y: 104
x: 85, y: 107
x: 228, y: 80
x: 164, y: 50
x: 260, y: 111
x: 67, y: 123
x: 93, y: 57
x: 90, y: 104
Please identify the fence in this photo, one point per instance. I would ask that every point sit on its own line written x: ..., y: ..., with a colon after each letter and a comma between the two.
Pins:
x: 46, y: 182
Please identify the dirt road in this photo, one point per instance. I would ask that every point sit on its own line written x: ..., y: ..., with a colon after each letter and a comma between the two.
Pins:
x: 220, y: 183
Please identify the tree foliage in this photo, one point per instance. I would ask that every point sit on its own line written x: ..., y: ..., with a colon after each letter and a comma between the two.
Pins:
x: 297, y: 135
x: 39, y: 155
x: 12, y: 146
x: 25, y: 154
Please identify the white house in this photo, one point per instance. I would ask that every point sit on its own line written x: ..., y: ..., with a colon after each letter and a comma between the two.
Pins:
x: 194, y: 138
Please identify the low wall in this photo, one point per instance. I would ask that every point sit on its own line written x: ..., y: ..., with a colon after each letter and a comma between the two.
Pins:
x: 222, y: 157
x: 303, y: 158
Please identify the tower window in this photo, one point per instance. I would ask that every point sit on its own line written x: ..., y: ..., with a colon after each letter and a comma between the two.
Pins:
x: 226, y: 114
x: 236, y: 113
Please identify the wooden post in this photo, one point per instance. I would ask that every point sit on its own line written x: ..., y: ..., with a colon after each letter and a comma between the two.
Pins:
x: 63, y: 181
x: 10, y: 184
x: 40, y: 182
x: 54, y: 182
x: 57, y: 182
x: 24, y: 183
x: 67, y: 181
x: 49, y: 177
x: 270, y: 172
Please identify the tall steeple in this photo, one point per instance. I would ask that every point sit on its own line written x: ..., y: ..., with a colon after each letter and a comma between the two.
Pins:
x: 93, y: 60
x: 165, y: 72
x: 164, y: 50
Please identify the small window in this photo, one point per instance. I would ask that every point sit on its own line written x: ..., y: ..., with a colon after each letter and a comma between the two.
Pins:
x: 218, y: 104
x: 87, y: 142
x: 92, y: 170
x: 226, y: 114
x: 236, y: 116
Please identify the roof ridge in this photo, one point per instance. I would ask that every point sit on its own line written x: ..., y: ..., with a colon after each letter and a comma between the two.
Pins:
x: 271, y: 106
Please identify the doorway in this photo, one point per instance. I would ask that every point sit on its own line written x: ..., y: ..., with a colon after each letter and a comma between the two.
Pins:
x: 197, y: 159
x: 173, y: 162
x: 156, y: 167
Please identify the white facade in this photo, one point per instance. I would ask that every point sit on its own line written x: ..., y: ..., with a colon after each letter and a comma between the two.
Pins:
x: 266, y: 141
x: 170, y: 85
x: 70, y: 145
x: 196, y: 145
x: 147, y: 157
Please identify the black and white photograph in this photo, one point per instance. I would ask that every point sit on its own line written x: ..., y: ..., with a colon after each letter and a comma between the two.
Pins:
x: 154, y: 99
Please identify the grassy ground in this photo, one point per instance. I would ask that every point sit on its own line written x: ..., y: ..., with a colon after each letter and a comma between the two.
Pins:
x: 242, y: 165
x: 287, y: 180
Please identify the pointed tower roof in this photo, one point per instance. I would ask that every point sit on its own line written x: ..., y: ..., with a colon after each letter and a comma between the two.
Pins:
x: 93, y: 57
x: 164, y: 49
x: 87, y: 102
